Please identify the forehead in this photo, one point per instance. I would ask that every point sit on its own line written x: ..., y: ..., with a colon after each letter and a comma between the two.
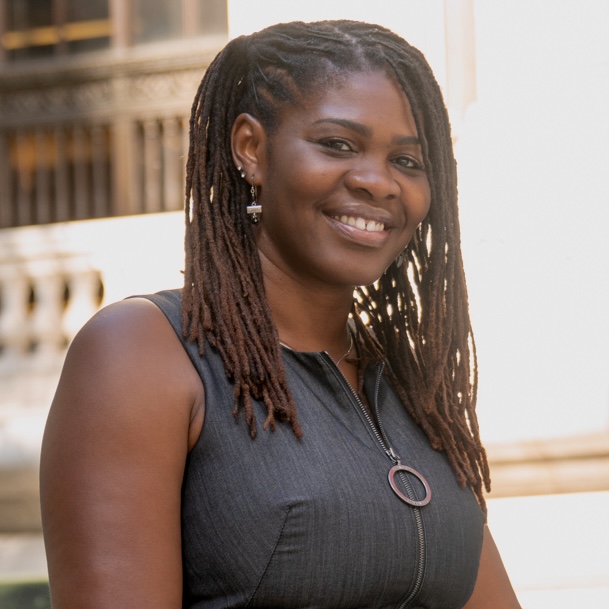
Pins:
x: 368, y: 97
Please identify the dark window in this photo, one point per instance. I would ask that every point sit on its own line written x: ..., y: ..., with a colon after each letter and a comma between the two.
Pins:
x: 45, y: 28
x: 91, y: 10
x: 33, y: 29
x: 25, y: 15
x: 90, y: 25
x: 156, y: 20
x: 29, y: 29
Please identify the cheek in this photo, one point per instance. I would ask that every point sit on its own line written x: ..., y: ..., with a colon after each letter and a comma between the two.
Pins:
x: 425, y: 204
x: 420, y: 204
x: 308, y: 180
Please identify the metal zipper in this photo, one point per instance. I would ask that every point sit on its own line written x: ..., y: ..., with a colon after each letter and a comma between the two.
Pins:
x: 395, y: 459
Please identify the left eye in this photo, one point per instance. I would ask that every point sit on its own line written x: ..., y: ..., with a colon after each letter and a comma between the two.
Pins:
x: 408, y: 162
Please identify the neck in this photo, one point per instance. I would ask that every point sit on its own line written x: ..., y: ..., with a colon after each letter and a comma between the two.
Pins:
x: 309, y: 317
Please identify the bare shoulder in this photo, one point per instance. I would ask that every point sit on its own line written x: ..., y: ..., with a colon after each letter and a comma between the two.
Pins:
x: 128, y: 406
x: 128, y: 357
x: 129, y: 329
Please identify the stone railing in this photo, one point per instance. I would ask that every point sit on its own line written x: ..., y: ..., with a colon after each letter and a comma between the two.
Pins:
x: 47, y: 292
x: 52, y: 279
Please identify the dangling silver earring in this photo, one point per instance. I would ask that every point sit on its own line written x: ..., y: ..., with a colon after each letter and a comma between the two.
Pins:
x: 254, y: 210
x: 241, y: 171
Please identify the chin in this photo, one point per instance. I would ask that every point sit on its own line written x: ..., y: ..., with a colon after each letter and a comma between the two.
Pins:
x: 367, y: 279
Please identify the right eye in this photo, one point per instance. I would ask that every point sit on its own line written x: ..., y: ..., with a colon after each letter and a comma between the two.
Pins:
x: 337, y: 144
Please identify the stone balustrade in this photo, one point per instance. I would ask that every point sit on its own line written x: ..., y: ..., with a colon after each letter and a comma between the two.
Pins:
x: 52, y: 279
x: 47, y: 292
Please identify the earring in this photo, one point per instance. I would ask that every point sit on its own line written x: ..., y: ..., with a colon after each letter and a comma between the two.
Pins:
x: 254, y: 209
x: 241, y: 171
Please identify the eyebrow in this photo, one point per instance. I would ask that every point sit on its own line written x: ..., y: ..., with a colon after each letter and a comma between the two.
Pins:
x: 400, y: 140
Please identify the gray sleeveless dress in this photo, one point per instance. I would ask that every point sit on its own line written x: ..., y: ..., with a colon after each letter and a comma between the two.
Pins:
x: 281, y: 522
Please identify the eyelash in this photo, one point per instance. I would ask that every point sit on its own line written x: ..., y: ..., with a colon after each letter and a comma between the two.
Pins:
x: 413, y: 163
x: 334, y: 143
x: 338, y: 145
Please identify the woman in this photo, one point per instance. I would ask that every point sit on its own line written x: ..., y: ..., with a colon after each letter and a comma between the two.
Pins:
x: 351, y: 474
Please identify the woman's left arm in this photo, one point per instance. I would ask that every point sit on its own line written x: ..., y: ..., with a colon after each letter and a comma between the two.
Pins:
x: 493, y: 588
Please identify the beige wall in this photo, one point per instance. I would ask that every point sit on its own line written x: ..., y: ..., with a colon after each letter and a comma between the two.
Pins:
x: 420, y: 22
x: 533, y: 161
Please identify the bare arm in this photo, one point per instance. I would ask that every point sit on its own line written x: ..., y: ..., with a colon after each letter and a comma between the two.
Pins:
x: 493, y: 589
x: 128, y: 405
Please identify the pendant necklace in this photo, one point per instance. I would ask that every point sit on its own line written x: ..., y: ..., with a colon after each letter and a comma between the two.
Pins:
x: 339, y: 360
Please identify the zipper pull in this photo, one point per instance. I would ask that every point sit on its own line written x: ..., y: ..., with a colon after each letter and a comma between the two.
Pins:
x: 395, y: 458
x: 399, y: 468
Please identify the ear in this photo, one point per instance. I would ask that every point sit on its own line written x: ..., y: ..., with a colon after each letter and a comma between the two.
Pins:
x: 248, y: 142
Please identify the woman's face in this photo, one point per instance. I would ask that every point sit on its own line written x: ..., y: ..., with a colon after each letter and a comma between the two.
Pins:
x: 342, y: 183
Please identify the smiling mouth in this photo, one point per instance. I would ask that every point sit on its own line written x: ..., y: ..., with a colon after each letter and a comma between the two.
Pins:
x: 361, y: 224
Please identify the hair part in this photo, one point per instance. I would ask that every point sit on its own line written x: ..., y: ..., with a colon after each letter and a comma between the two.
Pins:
x: 416, y: 316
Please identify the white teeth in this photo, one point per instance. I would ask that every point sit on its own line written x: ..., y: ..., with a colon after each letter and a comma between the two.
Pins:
x: 361, y: 224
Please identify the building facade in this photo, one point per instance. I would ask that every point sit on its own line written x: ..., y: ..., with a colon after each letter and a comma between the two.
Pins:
x: 94, y: 106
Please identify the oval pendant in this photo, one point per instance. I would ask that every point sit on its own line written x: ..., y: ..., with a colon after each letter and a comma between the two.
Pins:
x: 404, y: 468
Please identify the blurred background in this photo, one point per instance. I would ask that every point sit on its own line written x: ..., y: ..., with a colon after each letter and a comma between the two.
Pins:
x: 94, y: 105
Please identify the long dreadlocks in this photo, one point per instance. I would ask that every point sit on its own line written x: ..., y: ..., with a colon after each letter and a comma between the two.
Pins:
x: 415, y: 316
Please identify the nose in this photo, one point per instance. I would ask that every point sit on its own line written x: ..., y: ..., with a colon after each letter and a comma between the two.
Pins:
x: 374, y: 178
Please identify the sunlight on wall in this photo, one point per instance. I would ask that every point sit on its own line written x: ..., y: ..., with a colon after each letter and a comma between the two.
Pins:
x: 421, y: 23
x: 533, y: 158
x: 567, y: 566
